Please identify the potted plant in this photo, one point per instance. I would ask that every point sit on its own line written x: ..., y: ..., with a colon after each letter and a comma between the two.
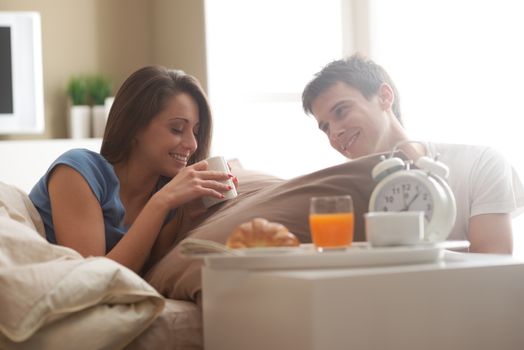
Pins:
x: 99, y: 89
x: 79, y: 111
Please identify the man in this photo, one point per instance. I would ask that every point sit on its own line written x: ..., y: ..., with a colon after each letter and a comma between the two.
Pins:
x: 356, y: 105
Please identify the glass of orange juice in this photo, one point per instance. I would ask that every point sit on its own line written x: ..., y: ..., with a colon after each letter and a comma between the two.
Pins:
x: 331, y: 222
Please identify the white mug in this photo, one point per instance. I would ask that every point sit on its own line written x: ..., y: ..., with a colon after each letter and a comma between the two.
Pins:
x: 219, y: 163
x: 394, y: 228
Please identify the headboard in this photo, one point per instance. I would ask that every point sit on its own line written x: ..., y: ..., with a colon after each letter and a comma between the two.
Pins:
x: 24, y: 162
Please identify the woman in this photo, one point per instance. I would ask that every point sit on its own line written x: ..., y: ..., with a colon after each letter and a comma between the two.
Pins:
x: 119, y: 203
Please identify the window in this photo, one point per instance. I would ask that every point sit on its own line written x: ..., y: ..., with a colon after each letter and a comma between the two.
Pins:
x: 260, y: 56
x: 457, y: 64
x: 458, y: 67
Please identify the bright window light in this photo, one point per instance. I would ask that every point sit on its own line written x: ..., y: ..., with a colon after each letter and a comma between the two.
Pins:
x: 260, y: 55
x: 459, y: 69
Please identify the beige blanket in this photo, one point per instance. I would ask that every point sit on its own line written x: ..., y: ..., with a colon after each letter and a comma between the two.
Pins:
x: 52, y: 298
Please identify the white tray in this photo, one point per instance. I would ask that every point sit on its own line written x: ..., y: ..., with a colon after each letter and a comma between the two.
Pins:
x: 306, y: 257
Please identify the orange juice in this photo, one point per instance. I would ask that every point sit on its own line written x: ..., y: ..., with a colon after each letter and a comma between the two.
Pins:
x: 331, y: 230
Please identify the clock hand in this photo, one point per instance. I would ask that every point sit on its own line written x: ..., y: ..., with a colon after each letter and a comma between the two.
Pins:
x: 412, y: 200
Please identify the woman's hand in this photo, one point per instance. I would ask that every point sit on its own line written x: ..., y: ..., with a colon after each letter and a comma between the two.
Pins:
x: 193, y: 182
x: 235, y: 179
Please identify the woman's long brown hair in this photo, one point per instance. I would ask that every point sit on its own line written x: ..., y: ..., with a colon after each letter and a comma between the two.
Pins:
x: 140, y: 98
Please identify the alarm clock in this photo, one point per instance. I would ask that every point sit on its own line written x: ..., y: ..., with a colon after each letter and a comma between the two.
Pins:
x: 401, y: 188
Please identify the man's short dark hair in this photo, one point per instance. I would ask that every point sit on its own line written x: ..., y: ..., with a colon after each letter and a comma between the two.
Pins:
x: 356, y: 71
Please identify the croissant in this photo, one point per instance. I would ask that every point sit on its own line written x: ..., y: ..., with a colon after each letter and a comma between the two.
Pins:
x: 260, y: 232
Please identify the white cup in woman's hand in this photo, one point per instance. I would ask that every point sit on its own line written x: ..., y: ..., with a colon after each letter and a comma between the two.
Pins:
x: 219, y: 164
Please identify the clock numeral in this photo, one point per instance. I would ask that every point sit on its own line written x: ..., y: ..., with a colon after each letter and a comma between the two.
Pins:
x: 390, y: 199
x: 425, y: 197
x: 406, y: 187
x: 396, y: 190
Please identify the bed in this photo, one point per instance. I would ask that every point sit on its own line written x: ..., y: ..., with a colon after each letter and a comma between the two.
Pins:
x: 50, y: 293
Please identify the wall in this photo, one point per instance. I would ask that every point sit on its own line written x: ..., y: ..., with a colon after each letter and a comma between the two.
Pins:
x: 112, y: 37
x: 179, y: 36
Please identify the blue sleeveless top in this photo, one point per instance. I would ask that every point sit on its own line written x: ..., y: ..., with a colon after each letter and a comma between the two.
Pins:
x: 102, y: 180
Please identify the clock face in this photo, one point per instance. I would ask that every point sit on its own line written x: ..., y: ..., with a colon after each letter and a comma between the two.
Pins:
x: 405, y: 194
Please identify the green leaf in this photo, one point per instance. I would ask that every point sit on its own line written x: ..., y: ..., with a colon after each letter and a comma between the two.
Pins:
x: 77, y: 90
x: 99, y: 89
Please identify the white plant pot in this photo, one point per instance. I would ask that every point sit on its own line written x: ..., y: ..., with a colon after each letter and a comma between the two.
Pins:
x: 79, y: 122
x: 108, y: 103
x: 99, y: 116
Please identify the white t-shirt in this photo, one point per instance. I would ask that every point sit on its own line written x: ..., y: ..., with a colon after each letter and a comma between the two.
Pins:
x: 482, y: 181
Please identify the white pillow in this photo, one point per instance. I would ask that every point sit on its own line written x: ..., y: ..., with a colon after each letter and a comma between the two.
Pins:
x: 50, y: 293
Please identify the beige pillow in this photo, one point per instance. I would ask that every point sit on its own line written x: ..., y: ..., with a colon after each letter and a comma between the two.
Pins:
x: 50, y: 293
x: 286, y: 202
x: 15, y: 204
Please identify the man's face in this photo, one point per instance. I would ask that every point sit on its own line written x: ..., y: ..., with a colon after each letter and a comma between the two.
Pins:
x: 354, y: 125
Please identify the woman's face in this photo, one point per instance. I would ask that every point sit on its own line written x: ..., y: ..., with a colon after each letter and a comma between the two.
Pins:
x: 169, y: 140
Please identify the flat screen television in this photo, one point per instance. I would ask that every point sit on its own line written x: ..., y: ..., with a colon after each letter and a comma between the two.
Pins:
x: 21, y: 81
